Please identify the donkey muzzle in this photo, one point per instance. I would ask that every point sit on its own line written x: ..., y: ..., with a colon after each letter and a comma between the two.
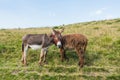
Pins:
x: 59, y: 45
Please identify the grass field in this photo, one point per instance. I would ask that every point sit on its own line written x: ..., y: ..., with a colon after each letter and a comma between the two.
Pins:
x: 102, y: 58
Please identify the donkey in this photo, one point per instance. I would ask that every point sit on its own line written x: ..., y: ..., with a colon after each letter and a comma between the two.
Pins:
x: 76, y: 41
x: 36, y: 41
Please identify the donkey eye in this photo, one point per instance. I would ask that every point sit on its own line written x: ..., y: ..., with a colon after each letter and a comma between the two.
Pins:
x: 55, y: 38
x: 59, y: 36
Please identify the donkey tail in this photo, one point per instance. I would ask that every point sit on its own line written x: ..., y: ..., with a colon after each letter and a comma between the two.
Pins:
x: 22, y: 47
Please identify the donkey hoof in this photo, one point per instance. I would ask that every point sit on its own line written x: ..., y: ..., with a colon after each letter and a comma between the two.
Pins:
x: 59, y: 56
x: 81, y: 65
x: 45, y: 62
x: 62, y: 60
x: 40, y: 63
x: 25, y: 64
x: 67, y: 59
x: 22, y: 61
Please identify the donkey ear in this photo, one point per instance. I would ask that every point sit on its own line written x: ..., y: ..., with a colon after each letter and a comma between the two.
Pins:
x: 53, y: 31
x: 62, y: 30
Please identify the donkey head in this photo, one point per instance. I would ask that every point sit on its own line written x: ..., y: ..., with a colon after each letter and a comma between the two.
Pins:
x: 57, y: 37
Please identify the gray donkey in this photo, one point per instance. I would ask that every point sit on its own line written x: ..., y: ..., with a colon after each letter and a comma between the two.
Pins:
x: 36, y: 41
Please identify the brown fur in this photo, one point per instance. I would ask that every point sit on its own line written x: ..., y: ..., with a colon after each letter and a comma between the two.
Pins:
x: 78, y: 42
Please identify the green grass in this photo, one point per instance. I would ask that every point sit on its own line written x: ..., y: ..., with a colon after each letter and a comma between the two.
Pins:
x: 102, y: 58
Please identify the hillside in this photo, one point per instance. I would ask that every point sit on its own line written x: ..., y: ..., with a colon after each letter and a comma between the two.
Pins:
x: 102, y: 59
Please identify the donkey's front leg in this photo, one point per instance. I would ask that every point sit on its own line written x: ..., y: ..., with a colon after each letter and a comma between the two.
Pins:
x: 41, y: 56
x: 63, y: 55
x: 45, y: 54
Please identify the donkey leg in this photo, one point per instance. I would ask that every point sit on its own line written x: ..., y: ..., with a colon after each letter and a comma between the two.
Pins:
x: 25, y: 54
x: 63, y: 55
x: 45, y: 54
x: 22, y: 59
x: 41, y: 56
x: 82, y: 60
x: 81, y: 57
x: 66, y: 58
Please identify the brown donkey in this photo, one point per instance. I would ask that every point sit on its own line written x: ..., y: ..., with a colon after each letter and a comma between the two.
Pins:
x: 75, y: 41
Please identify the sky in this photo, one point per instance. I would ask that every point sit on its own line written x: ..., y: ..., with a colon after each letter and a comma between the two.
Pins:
x: 47, y: 13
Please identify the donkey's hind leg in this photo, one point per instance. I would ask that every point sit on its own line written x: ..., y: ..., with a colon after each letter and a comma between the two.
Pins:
x: 22, y: 59
x: 81, y: 57
x: 24, y: 55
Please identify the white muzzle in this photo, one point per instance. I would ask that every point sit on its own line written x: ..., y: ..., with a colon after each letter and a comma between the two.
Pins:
x: 59, y: 45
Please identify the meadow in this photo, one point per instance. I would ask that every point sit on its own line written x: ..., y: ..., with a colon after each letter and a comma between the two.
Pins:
x: 102, y: 58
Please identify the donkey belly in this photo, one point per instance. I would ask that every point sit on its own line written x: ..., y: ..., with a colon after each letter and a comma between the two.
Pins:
x: 69, y: 46
x: 35, y: 47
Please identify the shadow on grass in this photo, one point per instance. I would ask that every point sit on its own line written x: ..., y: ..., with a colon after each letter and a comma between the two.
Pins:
x: 71, y: 54
x: 91, y: 57
x: 54, y: 57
